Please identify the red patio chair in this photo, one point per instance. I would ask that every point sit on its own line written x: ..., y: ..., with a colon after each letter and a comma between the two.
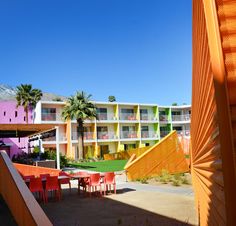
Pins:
x: 52, y: 184
x: 65, y: 181
x: 44, y: 176
x: 27, y: 179
x: 109, y: 179
x: 35, y: 185
x: 94, y: 181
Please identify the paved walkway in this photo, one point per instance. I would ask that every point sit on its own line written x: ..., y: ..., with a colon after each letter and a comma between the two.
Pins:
x: 134, y: 205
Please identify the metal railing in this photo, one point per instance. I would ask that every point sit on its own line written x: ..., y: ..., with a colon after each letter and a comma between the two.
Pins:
x: 127, y: 134
x: 127, y: 116
x: 106, y: 135
x: 183, y: 132
x: 62, y: 137
x: 164, y: 133
x: 163, y: 118
x: 181, y: 117
x: 148, y: 134
x: 87, y: 136
x: 147, y: 117
x: 106, y: 116
x: 51, y: 117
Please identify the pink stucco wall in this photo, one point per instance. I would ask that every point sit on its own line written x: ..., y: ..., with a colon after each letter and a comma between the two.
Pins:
x: 10, y: 114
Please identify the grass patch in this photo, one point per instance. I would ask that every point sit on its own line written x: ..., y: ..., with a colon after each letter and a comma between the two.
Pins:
x: 101, y: 166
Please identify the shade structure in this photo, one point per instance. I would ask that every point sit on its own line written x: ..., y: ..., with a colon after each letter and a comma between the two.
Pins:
x: 24, y: 130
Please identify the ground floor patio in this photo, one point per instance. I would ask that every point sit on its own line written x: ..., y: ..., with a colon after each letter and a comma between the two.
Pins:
x: 134, y: 204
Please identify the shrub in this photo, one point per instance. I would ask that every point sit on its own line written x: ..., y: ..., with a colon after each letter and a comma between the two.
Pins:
x: 165, y: 177
x: 176, y: 182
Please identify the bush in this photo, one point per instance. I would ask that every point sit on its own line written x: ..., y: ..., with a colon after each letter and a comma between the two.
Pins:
x: 51, y: 154
x: 165, y: 177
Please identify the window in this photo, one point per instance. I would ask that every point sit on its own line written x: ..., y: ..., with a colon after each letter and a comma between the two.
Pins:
x: 144, y: 132
x: 127, y: 111
x: 4, y: 113
x: 49, y: 114
x: 102, y: 113
x: 176, y: 113
x: 129, y: 146
x: 24, y: 118
x: 10, y: 120
x: 15, y: 114
x: 144, y: 114
x: 101, y: 110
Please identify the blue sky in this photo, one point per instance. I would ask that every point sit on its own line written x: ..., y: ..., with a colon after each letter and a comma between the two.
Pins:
x: 136, y: 50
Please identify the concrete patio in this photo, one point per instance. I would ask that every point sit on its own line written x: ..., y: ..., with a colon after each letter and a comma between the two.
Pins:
x: 134, y: 205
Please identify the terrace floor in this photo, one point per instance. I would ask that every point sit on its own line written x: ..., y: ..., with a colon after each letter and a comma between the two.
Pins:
x: 134, y: 205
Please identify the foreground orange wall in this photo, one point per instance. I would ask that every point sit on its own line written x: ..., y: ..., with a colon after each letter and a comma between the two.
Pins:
x: 213, y: 111
x: 167, y: 154
x: 22, y: 204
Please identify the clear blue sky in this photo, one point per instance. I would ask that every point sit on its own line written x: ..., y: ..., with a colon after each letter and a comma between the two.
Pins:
x: 136, y: 50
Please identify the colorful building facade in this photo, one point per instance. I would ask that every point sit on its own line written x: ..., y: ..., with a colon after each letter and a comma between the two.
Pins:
x: 120, y: 126
x: 11, y: 114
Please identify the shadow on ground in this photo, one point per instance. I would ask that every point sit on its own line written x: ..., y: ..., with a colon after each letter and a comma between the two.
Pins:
x: 6, y: 217
x: 80, y: 210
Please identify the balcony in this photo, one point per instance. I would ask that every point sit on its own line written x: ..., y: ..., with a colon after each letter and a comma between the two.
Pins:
x: 164, y: 133
x: 163, y: 118
x: 62, y: 137
x: 128, y: 135
x: 87, y: 136
x: 106, y: 135
x: 183, y: 132
x: 51, y: 117
x: 147, y: 117
x: 181, y: 117
x: 128, y: 116
x: 148, y: 134
x: 106, y: 116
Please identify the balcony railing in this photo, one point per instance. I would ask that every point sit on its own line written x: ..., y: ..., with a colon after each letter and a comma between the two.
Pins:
x: 87, y: 136
x: 62, y: 137
x: 148, y: 134
x: 106, y: 116
x: 127, y: 116
x: 164, y: 133
x: 181, y: 117
x: 183, y: 132
x: 51, y: 117
x: 163, y: 118
x: 147, y: 117
x: 127, y: 134
x: 106, y: 135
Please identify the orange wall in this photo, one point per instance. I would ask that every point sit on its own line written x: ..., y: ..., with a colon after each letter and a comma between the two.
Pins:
x: 22, y: 204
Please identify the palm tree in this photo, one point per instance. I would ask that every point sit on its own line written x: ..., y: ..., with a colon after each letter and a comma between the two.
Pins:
x: 27, y: 97
x: 79, y: 107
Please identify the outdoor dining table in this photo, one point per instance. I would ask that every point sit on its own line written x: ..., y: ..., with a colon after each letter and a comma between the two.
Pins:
x: 79, y: 177
x: 44, y: 178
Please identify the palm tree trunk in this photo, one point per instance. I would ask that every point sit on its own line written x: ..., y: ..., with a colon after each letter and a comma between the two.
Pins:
x: 26, y: 115
x: 80, y: 138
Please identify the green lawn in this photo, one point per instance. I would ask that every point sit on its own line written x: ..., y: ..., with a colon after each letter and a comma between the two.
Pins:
x: 101, y: 166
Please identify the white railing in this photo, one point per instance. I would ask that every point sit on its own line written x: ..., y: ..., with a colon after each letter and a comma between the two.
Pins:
x: 163, y: 118
x: 127, y: 116
x: 106, y: 135
x: 164, y: 133
x: 51, y: 117
x: 62, y: 137
x: 106, y: 116
x: 87, y: 136
x: 147, y: 117
x: 183, y: 132
x: 148, y: 134
x: 181, y: 117
x: 128, y: 135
